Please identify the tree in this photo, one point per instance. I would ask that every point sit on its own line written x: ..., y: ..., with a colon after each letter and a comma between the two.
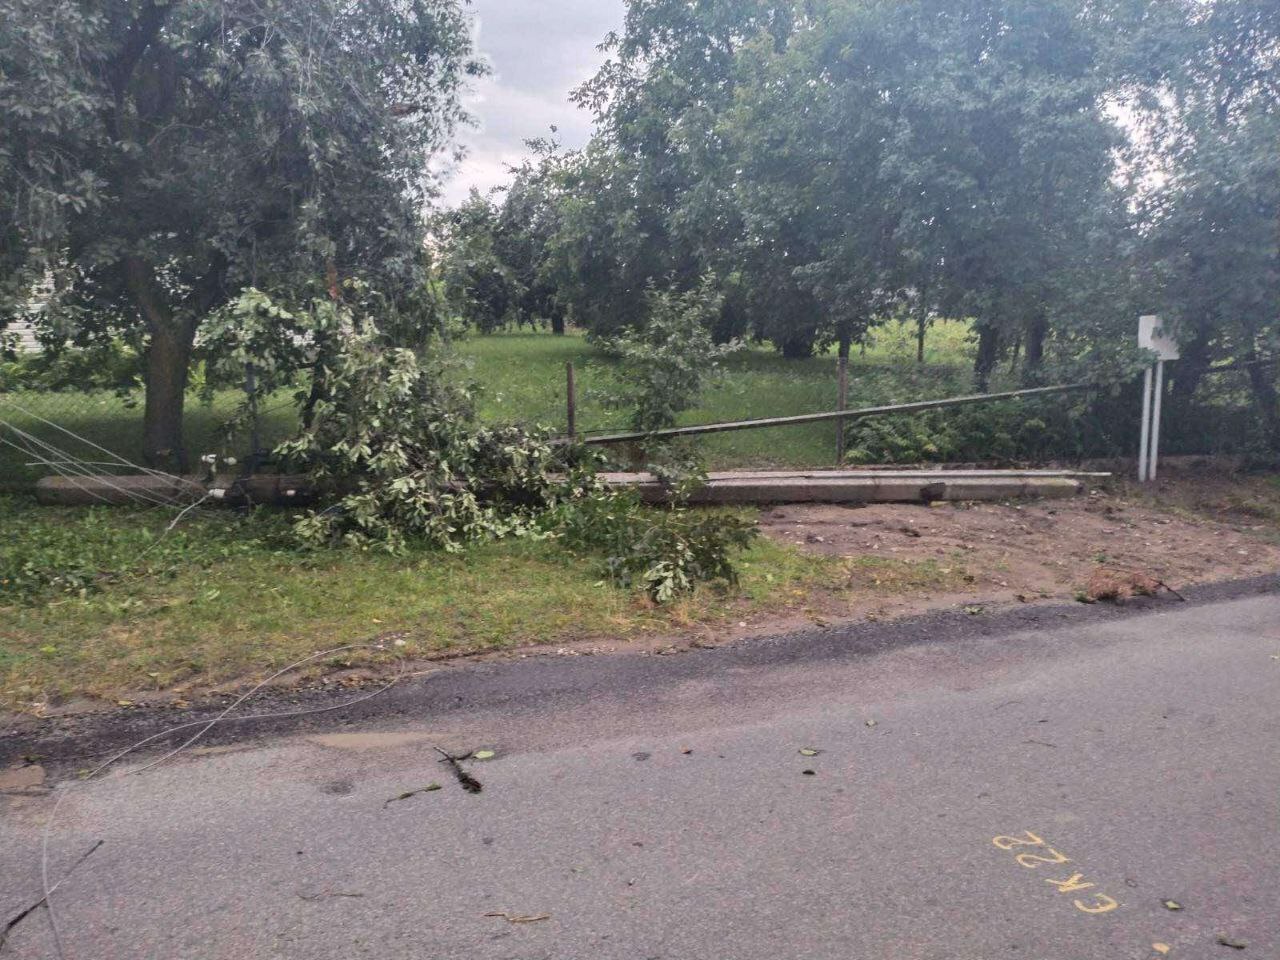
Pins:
x: 1205, y: 83
x: 528, y: 220
x: 652, y: 198
x: 831, y: 160
x: 478, y: 284
x: 998, y: 153
x: 213, y: 145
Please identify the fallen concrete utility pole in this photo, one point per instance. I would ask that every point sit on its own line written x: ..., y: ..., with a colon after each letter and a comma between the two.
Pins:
x: 870, y: 486
x: 833, y: 415
x: 124, y: 490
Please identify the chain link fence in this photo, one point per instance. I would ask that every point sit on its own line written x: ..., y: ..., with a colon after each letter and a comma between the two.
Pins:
x: 102, y: 429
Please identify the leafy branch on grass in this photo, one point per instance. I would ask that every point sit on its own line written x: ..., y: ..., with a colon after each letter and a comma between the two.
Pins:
x: 397, y: 456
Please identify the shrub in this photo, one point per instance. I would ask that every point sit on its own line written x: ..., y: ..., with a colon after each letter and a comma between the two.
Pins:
x: 998, y: 431
x: 112, y: 365
x: 665, y: 551
x: 666, y: 362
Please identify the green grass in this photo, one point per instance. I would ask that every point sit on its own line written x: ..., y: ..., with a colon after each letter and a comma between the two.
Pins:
x: 221, y: 598
x: 522, y: 378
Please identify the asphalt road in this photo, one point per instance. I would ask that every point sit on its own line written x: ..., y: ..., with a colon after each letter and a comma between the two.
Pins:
x: 1034, y: 793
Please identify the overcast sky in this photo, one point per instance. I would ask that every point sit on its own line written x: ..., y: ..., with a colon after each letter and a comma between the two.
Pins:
x: 539, y: 50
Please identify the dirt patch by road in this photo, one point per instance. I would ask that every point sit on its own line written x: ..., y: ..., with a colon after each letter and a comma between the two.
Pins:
x: 995, y: 553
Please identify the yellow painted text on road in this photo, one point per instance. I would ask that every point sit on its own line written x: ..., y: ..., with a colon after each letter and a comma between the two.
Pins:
x: 1045, y: 854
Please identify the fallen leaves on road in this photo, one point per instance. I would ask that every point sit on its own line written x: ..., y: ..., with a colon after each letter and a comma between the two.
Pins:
x: 483, y: 755
x: 1160, y: 948
x: 1229, y: 942
x: 809, y: 752
x: 1171, y: 904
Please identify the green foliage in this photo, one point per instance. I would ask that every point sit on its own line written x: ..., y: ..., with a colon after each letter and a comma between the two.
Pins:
x: 397, y: 457
x: 1206, y: 90
x: 160, y: 156
x: 478, y: 284
x: 112, y: 365
x: 667, y: 552
x: 997, y: 432
x: 667, y: 361
x: 399, y: 461
x: 48, y: 551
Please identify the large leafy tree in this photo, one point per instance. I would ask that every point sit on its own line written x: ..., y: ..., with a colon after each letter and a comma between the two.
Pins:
x: 480, y: 287
x: 998, y: 155
x: 1205, y: 86
x: 159, y: 155
x: 832, y: 158
x: 652, y: 194
x: 529, y: 218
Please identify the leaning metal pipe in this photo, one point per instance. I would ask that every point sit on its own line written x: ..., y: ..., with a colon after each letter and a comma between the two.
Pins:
x: 834, y: 414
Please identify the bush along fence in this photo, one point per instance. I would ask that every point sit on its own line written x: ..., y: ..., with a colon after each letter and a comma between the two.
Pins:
x: 1065, y: 421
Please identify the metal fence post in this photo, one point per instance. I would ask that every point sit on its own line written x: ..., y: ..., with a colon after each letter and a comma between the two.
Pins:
x: 1157, y: 395
x: 571, y: 399
x: 1144, y: 442
x: 842, y: 403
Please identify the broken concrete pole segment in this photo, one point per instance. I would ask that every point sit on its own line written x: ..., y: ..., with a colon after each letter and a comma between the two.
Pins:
x: 920, y: 486
x: 124, y: 490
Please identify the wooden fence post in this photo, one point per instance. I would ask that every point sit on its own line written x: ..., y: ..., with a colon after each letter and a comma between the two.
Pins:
x: 571, y: 399
x: 842, y: 403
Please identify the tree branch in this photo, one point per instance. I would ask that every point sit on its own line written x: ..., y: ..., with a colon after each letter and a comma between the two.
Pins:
x: 146, y: 292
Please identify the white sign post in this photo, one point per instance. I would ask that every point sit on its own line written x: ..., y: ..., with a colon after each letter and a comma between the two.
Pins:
x: 1152, y: 337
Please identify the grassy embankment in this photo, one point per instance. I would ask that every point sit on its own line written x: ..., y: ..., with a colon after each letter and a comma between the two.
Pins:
x: 221, y: 597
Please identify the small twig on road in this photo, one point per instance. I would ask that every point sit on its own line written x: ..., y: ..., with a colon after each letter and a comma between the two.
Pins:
x: 412, y: 793
x: 325, y: 894
x: 1041, y: 743
x: 8, y: 927
x: 519, y: 918
x: 469, y: 783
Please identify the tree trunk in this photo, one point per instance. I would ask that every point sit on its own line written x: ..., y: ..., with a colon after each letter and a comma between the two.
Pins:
x: 168, y: 363
x: 797, y: 347
x: 1033, y: 361
x: 1190, y: 369
x: 1262, y: 380
x: 985, y: 361
x: 922, y: 323
x: 842, y: 348
x: 557, y: 323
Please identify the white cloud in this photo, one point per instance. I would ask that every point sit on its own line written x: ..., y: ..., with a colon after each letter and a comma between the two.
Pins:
x: 539, y: 52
